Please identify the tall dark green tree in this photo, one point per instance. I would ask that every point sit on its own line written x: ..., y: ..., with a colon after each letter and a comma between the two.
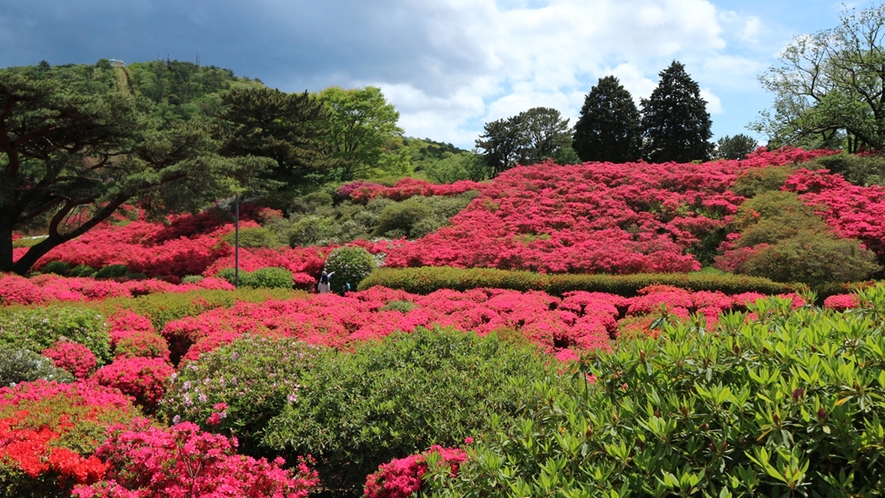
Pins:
x: 608, y: 128
x: 530, y: 137
x: 64, y: 152
x: 282, y: 127
x: 675, y: 121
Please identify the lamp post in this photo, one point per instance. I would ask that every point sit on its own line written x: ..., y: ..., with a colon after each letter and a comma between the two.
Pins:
x: 237, y: 241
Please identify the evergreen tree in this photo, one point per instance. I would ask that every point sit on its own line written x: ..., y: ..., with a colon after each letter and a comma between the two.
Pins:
x: 608, y: 128
x: 736, y: 147
x: 675, y: 121
x: 530, y: 137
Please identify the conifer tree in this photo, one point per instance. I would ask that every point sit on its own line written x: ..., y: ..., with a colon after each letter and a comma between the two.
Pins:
x: 675, y: 121
x: 608, y: 128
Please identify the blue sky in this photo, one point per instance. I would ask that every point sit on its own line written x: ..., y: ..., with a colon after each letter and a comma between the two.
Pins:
x: 448, y: 66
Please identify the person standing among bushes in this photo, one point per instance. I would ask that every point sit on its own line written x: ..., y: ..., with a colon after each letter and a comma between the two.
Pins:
x: 324, y: 285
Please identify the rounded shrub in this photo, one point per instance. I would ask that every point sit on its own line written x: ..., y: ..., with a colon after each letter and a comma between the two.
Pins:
x: 40, y: 328
x: 269, y: 278
x: 351, y: 265
x: 310, y: 230
x: 400, y: 396
x: 56, y: 267
x: 401, y: 217
x: 112, y: 271
x: 254, y: 376
x: 82, y: 271
x: 142, y: 378
x: 72, y: 357
x: 21, y: 365
x: 771, y: 403
x: 252, y: 237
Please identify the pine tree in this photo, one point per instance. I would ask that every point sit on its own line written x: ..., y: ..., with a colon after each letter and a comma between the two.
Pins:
x: 675, y: 121
x: 608, y: 128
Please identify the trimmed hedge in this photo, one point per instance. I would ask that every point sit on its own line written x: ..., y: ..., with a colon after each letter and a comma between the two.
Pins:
x: 427, y: 279
x: 40, y: 328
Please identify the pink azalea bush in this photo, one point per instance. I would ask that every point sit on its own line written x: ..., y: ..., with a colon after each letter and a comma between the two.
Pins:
x: 401, y: 478
x: 183, y: 462
x: 73, y: 357
x: 142, y: 378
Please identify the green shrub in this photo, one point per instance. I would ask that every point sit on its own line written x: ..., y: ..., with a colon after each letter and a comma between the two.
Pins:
x: 82, y: 271
x: 313, y: 203
x: 192, y: 279
x: 399, y: 396
x: 162, y: 307
x: 252, y: 237
x: 813, y: 258
x: 311, y: 230
x: 56, y: 267
x: 789, y: 403
x: 755, y: 181
x: 39, y: 328
x: 351, y: 265
x: 255, y: 376
x: 774, y: 216
x: 401, y: 217
x: 859, y: 170
x: 269, y: 278
x: 398, y: 305
x: 112, y: 271
x: 21, y: 365
x: 262, y: 278
x: 427, y: 279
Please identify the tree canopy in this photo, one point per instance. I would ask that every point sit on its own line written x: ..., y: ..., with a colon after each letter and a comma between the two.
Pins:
x: 735, y: 147
x: 530, y: 137
x: 829, y: 90
x: 65, y: 152
x: 675, y: 121
x: 608, y: 128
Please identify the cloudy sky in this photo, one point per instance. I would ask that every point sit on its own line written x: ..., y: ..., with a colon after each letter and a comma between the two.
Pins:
x: 448, y: 66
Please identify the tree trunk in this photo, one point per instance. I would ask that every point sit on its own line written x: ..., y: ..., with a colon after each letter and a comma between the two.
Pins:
x: 5, y: 243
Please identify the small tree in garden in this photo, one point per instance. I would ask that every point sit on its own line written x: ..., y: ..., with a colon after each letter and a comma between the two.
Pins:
x: 351, y: 265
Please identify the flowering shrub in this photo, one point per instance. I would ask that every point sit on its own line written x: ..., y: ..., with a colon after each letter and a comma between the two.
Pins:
x: 21, y: 365
x: 253, y: 377
x: 358, y: 410
x: 40, y: 328
x: 72, y: 357
x: 401, y: 477
x: 48, y: 432
x: 146, y: 344
x: 183, y: 462
x: 142, y: 378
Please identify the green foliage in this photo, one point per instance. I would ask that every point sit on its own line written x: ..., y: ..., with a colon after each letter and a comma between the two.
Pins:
x: 21, y: 365
x: 425, y: 280
x: 858, y: 170
x: 56, y: 267
x: 401, y: 216
x: 312, y: 203
x: 162, y: 307
x: 827, y: 87
x: 192, y: 279
x: 755, y: 181
x: 262, y: 278
x: 463, y: 166
x: 82, y: 271
x: 736, y: 147
x: 39, y: 328
x: 813, y: 258
x: 310, y: 230
x: 799, y: 246
x: 255, y: 376
x: 778, y: 403
x: 530, y: 137
x: 361, y: 124
x: 391, y: 399
x: 27, y: 241
x: 351, y: 265
x: 253, y: 237
x: 84, y: 150
x: 399, y: 305
x: 675, y: 121
x: 608, y: 128
x: 112, y: 271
